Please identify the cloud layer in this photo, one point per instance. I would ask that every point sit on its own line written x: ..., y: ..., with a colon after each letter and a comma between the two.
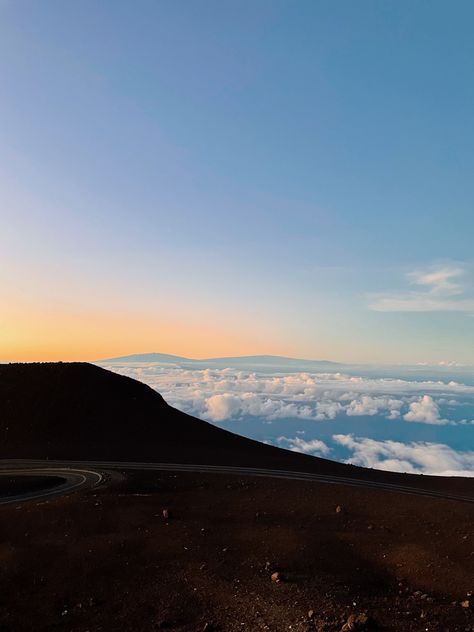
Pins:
x: 221, y: 395
x: 229, y: 394
x: 415, y: 457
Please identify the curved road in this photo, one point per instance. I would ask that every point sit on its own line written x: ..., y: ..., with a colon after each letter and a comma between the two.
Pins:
x: 81, y: 474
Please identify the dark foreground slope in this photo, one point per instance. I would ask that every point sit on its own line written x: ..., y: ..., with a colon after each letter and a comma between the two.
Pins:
x: 107, y: 560
x: 78, y: 411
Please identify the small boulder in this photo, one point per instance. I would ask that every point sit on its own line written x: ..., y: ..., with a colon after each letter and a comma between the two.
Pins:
x: 339, y: 509
x: 466, y: 603
x: 356, y: 623
x: 166, y: 514
x: 276, y: 577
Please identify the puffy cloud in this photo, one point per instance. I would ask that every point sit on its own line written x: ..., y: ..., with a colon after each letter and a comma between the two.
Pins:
x: 230, y: 406
x: 414, y: 457
x: 328, y: 409
x: 314, y: 446
x: 367, y: 405
x: 225, y: 406
x: 424, y: 410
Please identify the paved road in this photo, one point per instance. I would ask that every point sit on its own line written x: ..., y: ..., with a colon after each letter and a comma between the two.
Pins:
x: 80, y: 474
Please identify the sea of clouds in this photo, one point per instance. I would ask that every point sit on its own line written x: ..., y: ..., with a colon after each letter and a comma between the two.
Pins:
x: 228, y: 396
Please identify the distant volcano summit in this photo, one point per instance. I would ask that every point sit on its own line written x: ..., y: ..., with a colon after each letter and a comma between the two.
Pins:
x: 253, y: 361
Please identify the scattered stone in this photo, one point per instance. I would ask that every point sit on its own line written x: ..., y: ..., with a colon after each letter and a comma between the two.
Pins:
x: 356, y: 623
x: 166, y: 514
x: 276, y: 577
x: 310, y: 614
x: 339, y: 509
x: 466, y: 603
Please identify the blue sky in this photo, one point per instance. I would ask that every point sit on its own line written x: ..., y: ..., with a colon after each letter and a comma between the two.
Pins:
x: 219, y: 178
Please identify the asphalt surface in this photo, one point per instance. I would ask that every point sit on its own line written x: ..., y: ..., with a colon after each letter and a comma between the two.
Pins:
x: 83, y: 474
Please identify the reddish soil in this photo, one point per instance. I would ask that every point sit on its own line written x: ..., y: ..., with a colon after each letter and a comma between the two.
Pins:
x: 107, y: 560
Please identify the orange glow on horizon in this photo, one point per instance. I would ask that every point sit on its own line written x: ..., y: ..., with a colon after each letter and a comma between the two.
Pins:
x: 26, y: 336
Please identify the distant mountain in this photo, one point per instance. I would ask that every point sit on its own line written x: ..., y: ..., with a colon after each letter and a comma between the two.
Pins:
x: 268, y: 360
x: 261, y: 361
x: 149, y: 357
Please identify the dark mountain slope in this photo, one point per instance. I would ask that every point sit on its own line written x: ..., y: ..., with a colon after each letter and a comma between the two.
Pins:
x: 79, y: 411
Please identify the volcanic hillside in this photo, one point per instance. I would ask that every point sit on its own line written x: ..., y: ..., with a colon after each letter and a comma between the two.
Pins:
x: 78, y: 411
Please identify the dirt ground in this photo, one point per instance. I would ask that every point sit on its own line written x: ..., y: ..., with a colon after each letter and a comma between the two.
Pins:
x: 110, y: 560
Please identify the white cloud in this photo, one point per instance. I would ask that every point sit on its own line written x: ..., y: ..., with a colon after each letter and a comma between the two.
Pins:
x: 314, y: 446
x: 416, y: 457
x: 424, y: 410
x: 439, y: 291
x: 439, y: 280
x: 225, y: 406
x: 370, y: 406
x: 328, y: 409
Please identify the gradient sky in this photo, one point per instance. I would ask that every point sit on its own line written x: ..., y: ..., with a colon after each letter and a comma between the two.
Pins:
x: 222, y: 178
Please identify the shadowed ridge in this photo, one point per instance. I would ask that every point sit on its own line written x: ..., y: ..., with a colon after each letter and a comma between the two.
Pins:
x: 79, y: 411
x: 82, y: 411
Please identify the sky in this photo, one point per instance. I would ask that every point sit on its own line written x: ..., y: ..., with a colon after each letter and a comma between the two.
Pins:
x: 237, y: 177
